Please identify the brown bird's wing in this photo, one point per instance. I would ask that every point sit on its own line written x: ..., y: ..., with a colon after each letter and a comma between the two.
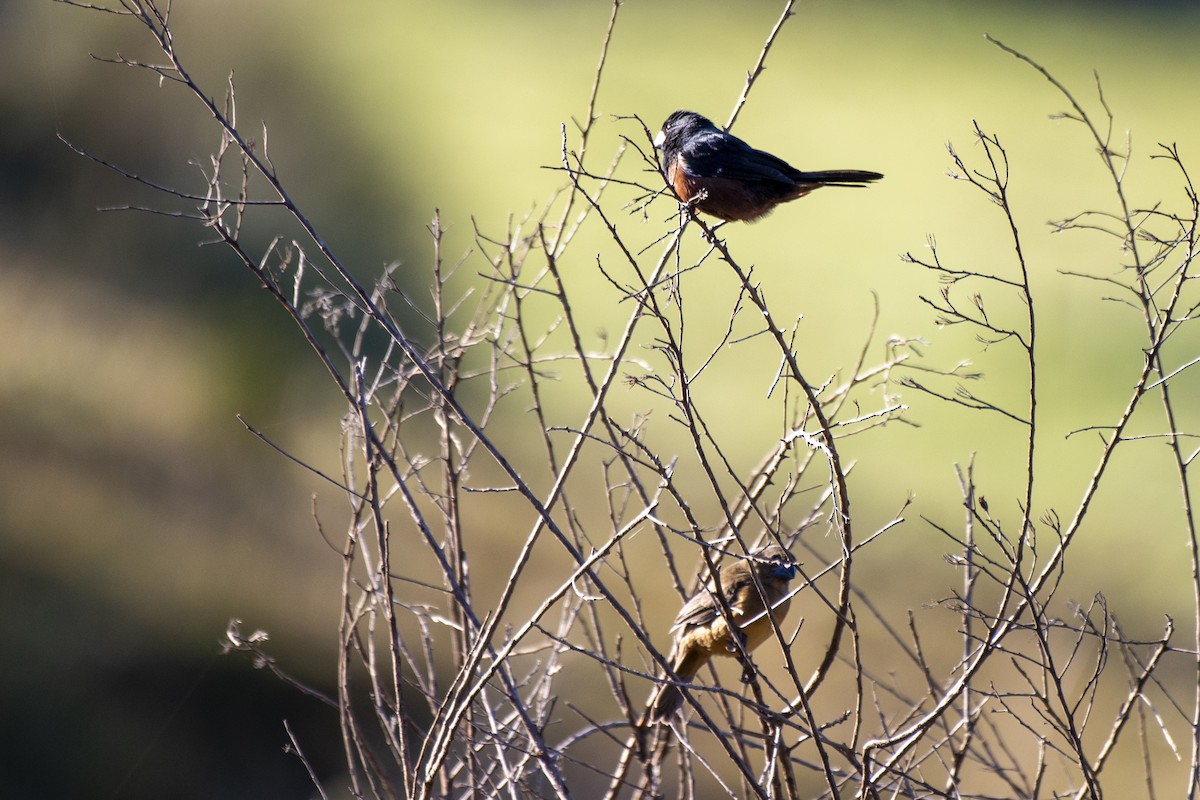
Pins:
x: 704, y: 607
x: 701, y: 609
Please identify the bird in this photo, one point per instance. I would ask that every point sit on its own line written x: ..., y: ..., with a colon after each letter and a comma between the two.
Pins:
x: 701, y: 630
x: 721, y: 175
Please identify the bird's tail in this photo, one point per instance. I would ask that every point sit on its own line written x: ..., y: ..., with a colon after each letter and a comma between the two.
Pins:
x: 670, y: 697
x: 838, y: 177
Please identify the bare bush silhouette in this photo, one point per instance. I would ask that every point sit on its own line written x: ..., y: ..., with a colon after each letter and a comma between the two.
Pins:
x: 458, y: 425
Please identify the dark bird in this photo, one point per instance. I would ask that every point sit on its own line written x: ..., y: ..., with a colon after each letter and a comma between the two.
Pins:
x: 702, y: 632
x: 723, y: 176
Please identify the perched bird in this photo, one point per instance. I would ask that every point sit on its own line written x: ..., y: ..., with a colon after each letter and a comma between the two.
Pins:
x: 727, y: 178
x: 701, y: 629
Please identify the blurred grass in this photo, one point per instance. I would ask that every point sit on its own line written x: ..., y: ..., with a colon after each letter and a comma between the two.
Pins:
x: 129, y: 482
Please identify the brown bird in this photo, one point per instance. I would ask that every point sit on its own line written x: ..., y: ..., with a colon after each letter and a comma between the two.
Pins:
x: 702, y: 631
x: 722, y: 175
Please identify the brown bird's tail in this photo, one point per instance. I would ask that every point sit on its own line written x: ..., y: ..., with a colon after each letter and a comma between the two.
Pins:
x: 838, y: 177
x: 670, y: 697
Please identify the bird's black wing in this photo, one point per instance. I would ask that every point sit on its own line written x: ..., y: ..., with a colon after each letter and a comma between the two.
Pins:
x: 714, y: 154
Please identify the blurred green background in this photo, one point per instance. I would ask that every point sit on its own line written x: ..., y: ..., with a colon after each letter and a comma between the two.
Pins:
x: 137, y: 516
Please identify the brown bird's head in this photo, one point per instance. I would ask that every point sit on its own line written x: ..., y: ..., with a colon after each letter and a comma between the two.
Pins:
x: 775, y: 563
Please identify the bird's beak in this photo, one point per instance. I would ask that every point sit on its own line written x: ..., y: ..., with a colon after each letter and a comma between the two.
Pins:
x: 659, y: 139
